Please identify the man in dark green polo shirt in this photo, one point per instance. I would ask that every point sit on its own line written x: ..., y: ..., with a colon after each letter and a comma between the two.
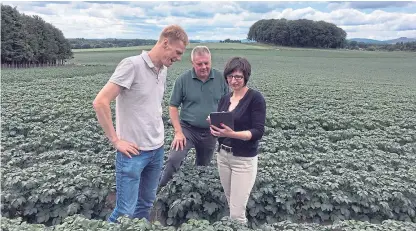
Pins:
x: 197, y: 92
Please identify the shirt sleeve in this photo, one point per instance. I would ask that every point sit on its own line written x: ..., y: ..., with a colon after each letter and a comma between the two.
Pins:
x: 258, y: 116
x: 124, y: 73
x: 177, y: 93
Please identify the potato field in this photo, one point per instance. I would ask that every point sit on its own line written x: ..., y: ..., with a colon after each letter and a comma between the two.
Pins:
x: 339, y: 151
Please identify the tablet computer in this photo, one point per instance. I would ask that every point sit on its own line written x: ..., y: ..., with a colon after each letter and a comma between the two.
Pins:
x: 222, y: 117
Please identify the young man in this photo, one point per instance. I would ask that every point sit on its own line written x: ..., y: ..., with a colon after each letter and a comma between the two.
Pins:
x: 197, y: 92
x: 138, y: 85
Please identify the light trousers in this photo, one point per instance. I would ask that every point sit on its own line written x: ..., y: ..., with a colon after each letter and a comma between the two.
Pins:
x: 237, y: 175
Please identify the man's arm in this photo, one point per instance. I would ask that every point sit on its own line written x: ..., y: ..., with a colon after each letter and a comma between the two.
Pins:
x: 102, y: 109
x: 174, y: 118
x: 179, y: 140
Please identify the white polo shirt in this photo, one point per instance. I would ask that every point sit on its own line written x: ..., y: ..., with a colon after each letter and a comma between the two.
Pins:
x: 139, y: 104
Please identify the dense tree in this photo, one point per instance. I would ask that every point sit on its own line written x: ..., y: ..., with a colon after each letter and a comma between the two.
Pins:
x: 13, y: 44
x: 318, y: 34
x: 297, y: 33
x: 30, y: 40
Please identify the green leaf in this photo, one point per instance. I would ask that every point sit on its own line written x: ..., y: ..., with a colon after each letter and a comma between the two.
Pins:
x: 326, y: 207
x: 192, y: 215
x: 40, y: 219
x: 169, y: 221
x: 63, y: 212
x: 73, y: 208
x: 411, y: 212
x: 300, y: 190
x: 356, y: 208
x: 210, y: 207
x: 317, y: 204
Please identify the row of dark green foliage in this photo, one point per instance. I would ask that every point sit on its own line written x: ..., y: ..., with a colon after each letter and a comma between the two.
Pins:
x: 399, y: 46
x: 30, y: 40
x: 81, y: 43
x: 230, y: 41
x: 79, y: 222
x: 298, y: 33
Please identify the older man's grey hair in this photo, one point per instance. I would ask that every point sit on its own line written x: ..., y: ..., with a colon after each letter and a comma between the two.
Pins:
x: 199, y: 50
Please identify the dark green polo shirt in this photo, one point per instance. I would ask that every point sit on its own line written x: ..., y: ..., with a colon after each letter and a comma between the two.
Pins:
x: 196, y: 98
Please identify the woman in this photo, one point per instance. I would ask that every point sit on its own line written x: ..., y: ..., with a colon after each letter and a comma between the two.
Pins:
x: 237, y: 156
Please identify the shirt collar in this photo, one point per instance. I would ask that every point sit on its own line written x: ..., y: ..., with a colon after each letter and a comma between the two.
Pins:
x: 211, y: 74
x: 146, y: 58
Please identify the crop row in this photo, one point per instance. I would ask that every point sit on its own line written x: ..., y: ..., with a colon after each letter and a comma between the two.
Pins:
x: 331, y: 152
x: 79, y: 222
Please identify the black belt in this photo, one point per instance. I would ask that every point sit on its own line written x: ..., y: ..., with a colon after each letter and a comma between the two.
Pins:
x: 225, y: 148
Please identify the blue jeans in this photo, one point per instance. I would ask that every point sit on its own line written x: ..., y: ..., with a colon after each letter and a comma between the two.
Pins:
x: 137, y: 180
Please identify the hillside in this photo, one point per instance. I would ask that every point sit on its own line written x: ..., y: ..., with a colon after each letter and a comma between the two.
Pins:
x: 392, y: 41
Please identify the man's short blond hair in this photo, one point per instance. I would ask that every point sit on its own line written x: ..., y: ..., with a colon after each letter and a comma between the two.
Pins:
x: 174, y: 33
x: 199, y: 50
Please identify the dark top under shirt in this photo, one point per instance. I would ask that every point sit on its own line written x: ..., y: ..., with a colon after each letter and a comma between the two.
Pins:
x: 249, y: 114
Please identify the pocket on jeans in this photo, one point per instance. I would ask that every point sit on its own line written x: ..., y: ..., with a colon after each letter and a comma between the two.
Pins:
x: 132, y: 155
x: 128, y: 165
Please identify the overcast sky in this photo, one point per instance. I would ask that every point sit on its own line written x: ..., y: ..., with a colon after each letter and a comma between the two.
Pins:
x: 219, y: 20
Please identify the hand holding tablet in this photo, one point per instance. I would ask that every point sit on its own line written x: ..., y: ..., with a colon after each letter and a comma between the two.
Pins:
x: 218, y: 118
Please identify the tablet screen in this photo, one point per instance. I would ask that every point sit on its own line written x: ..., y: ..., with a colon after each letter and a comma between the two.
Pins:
x: 222, y: 117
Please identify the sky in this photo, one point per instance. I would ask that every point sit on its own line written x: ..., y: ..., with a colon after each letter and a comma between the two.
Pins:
x: 215, y: 20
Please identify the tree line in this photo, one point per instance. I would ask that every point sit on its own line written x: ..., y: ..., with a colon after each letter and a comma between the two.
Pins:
x: 399, y: 46
x: 81, y: 43
x: 313, y: 34
x: 230, y: 41
x: 298, y: 33
x: 29, y: 40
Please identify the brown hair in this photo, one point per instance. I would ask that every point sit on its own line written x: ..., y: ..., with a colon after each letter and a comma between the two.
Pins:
x: 238, y: 64
x: 174, y: 33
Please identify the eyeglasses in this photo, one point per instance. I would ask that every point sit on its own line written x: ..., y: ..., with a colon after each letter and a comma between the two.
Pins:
x: 236, y: 77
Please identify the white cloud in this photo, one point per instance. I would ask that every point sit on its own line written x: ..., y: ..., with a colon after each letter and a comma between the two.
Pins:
x: 209, y: 20
x: 368, y: 4
x: 383, y: 35
x: 199, y: 7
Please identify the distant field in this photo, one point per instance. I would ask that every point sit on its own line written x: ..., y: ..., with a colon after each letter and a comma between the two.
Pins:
x: 243, y: 46
x: 340, y: 141
x: 295, y: 60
